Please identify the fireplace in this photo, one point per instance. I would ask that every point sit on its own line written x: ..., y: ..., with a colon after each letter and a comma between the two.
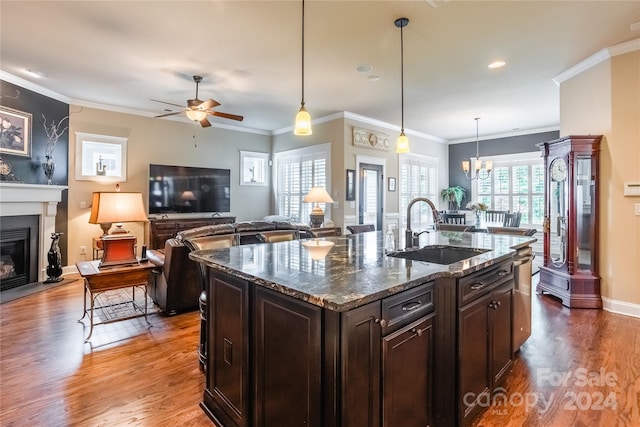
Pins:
x: 19, y: 237
x: 22, y: 203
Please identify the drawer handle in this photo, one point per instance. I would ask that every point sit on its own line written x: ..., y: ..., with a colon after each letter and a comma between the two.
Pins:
x: 417, y: 331
x: 478, y: 286
x: 411, y: 306
x: 502, y: 273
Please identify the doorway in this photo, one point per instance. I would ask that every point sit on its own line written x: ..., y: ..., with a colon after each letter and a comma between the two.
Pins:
x: 370, y: 201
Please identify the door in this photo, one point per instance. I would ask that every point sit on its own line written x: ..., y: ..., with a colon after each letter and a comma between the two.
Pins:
x: 370, y: 199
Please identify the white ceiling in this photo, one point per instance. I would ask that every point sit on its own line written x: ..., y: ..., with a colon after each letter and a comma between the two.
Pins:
x: 119, y: 55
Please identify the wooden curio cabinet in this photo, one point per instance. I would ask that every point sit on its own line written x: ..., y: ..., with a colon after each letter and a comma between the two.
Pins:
x: 570, y: 262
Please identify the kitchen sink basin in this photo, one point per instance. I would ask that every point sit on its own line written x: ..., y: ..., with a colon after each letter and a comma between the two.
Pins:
x: 437, y: 254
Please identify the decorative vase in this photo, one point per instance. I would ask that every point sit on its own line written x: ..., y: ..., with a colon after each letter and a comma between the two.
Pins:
x: 477, y: 212
x: 48, y: 166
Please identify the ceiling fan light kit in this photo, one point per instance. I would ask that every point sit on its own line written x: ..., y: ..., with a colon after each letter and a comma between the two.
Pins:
x: 402, y: 144
x: 198, y: 110
x: 303, y: 119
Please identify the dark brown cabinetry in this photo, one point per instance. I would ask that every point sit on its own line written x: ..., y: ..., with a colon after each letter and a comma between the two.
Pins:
x: 570, y: 268
x: 484, y: 337
x: 277, y: 361
x: 161, y: 230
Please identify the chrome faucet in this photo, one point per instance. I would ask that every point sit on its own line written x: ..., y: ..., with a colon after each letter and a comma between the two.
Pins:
x: 409, y: 235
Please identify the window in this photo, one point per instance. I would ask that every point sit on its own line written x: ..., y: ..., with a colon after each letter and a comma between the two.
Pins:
x: 418, y: 178
x: 516, y: 184
x: 296, y: 172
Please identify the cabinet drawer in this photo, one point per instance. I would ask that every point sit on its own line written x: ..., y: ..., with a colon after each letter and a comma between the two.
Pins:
x: 477, y: 284
x: 165, y: 225
x: 403, y: 308
x: 188, y: 225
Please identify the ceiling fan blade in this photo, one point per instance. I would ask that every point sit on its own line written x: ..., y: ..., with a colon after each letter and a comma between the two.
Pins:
x: 205, y: 123
x: 226, y: 115
x: 168, y: 114
x: 168, y: 103
x: 209, y: 103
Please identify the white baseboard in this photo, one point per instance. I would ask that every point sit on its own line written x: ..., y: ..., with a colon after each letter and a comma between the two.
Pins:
x: 621, y: 307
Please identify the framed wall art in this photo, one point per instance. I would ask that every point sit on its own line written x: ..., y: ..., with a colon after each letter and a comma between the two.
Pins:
x: 15, y: 132
x: 350, y: 193
x: 101, y: 158
x: 253, y: 168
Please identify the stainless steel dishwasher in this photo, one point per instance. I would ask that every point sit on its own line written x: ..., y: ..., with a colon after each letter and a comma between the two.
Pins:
x: 522, y: 266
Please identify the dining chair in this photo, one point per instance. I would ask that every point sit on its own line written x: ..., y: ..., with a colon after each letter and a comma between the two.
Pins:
x: 512, y: 219
x: 512, y: 230
x: 454, y: 218
x: 278, y: 236
x: 360, y: 228
x: 494, y: 216
x: 455, y: 227
x: 325, y: 232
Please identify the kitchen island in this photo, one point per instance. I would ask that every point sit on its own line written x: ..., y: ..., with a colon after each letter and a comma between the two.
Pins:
x: 357, y: 338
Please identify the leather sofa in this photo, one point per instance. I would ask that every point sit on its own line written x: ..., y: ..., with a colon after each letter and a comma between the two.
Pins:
x: 176, y: 283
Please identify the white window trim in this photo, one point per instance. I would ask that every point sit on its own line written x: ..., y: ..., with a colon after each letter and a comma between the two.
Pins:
x: 303, y: 151
x: 510, y: 159
x: 429, y: 161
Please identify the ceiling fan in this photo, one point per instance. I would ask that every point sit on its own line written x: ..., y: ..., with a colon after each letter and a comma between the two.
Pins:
x: 198, y: 110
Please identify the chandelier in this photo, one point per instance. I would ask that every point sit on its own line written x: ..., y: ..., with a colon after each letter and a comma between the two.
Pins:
x: 479, y: 171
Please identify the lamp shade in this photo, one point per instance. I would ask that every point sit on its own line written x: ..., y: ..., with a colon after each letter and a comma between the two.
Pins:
x: 318, y: 195
x: 402, y: 145
x: 318, y: 249
x: 303, y: 123
x: 110, y: 207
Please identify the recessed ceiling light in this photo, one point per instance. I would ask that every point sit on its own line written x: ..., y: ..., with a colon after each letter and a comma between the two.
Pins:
x: 373, y: 78
x: 364, y: 68
x: 35, y: 74
x: 497, y: 64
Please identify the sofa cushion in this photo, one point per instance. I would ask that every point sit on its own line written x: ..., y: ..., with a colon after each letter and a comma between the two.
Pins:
x: 250, y: 226
x: 207, y: 230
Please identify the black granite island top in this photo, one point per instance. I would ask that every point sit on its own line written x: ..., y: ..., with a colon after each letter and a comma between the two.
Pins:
x: 356, y: 269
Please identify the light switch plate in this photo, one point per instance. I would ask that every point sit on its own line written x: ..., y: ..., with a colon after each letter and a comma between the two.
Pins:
x: 637, y: 205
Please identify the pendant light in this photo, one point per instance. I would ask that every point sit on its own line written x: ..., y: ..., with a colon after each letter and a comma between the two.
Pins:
x: 303, y: 119
x: 479, y: 171
x: 402, y: 145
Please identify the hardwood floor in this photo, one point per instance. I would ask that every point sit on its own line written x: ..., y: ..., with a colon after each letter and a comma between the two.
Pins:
x: 132, y: 375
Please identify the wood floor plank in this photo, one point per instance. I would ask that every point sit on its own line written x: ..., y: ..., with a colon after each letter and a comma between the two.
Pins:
x: 135, y: 375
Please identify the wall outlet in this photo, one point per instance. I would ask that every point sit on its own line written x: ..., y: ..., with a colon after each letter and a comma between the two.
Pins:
x: 83, y: 250
x: 83, y: 205
x: 637, y: 205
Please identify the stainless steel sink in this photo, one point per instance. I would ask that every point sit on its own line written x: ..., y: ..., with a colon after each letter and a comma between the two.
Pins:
x: 444, y: 255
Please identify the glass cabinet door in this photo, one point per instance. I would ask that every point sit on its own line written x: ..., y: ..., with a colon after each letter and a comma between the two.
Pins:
x: 583, y: 195
x: 558, y: 223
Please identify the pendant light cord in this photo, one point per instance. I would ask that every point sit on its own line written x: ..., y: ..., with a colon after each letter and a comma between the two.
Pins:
x: 302, y: 53
x: 402, y: 77
x: 477, y: 140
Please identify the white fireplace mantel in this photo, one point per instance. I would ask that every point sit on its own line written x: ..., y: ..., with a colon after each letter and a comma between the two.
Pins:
x: 33, y: 199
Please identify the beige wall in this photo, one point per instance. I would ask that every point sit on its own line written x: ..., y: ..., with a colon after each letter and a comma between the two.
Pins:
x: 338, y: 133
x: 605, y: 100
x: 162, y: 142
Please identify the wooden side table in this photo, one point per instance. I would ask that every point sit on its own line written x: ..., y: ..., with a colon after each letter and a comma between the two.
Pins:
x: 97, y: 281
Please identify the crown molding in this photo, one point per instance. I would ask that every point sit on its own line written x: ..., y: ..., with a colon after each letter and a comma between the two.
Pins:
x: 26, y: 84
x: 596, y: 58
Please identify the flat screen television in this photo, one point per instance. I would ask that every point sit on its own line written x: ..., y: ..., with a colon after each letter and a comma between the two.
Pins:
x: 183, y: 189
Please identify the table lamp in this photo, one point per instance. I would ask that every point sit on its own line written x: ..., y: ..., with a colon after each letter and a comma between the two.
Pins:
x: 317, y: 195
x: 118, y: 248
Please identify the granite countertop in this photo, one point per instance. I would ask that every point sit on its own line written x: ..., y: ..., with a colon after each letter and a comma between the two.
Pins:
x: 356, y: 270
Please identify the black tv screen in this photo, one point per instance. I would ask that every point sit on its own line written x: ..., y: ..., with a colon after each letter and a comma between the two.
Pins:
x: 182, y: 189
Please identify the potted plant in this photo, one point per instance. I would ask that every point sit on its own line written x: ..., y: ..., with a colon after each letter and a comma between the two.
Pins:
x: 453, y: 196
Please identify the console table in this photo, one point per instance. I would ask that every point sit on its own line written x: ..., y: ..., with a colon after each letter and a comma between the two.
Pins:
x: 163, y: 229
x: 97, y: 281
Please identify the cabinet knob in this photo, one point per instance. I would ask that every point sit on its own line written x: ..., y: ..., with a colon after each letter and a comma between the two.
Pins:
x: 417, y: 331
x: 382, y: 322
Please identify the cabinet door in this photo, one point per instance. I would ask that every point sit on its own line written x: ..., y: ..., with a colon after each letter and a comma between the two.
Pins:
x: 287, y: 365
x: 227, y: 364
x: 407, y: 375
x: 475, y: 375
x: 360, y: 337
x: 501, y: 333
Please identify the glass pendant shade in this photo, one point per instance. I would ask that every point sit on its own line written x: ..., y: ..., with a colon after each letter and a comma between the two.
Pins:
x: 402, y: 144
x: 196, y: 115
x: 303, y: 122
